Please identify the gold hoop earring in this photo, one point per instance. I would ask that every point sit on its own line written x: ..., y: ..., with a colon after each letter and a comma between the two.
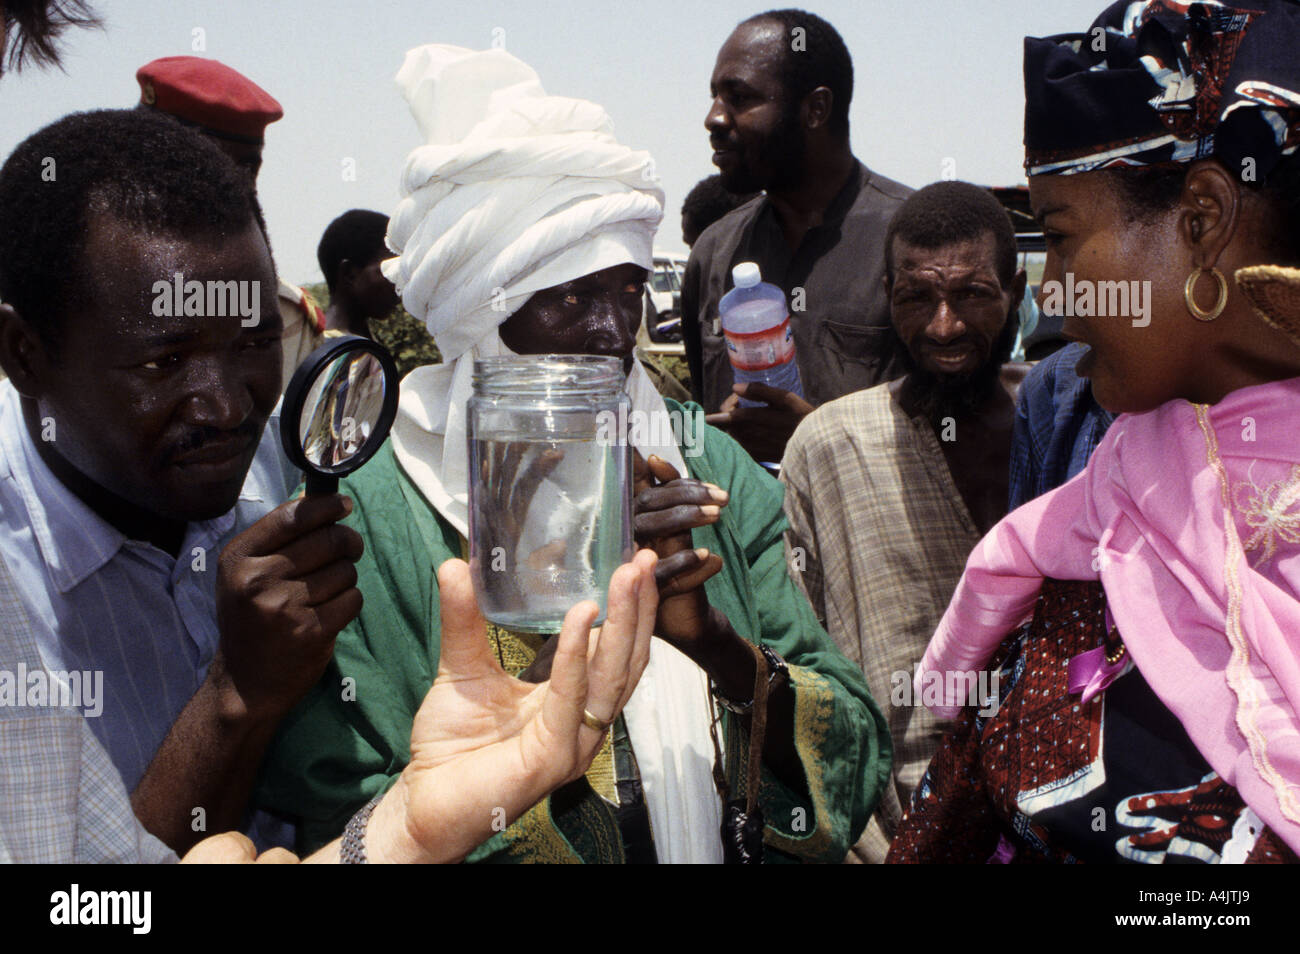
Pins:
x: 1189, y: 293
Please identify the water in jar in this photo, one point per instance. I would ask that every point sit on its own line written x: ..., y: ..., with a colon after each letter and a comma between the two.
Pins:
x: 548, y: 525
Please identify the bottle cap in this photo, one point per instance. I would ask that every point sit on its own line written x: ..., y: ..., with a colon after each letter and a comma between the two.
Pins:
x: 746, y: 275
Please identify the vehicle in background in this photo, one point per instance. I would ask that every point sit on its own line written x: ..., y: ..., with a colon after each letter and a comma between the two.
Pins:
x: 661, y: 331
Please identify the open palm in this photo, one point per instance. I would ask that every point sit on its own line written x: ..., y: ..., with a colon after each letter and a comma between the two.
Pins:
x: 485, y: 746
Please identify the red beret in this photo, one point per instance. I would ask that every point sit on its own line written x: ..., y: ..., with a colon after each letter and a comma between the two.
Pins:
x: 210, y: 95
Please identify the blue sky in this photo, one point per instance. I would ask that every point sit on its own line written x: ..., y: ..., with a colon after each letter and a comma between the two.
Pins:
x: 936, y: 81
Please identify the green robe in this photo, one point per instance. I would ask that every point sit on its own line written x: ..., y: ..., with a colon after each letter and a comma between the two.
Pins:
x: 349, y: 738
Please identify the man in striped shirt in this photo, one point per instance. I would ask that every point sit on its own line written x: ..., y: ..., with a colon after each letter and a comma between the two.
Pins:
x: 888, y: 489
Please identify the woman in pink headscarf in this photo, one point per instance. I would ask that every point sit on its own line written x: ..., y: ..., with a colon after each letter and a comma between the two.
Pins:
x: 1150, y: 686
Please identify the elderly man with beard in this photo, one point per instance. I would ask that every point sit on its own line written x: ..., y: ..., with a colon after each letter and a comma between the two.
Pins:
x: 888, y: 489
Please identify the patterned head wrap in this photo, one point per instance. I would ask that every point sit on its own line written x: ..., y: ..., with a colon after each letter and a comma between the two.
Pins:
x: 1159, y: 81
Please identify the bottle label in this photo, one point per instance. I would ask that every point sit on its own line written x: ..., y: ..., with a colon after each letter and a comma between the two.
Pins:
x: 760, y: 350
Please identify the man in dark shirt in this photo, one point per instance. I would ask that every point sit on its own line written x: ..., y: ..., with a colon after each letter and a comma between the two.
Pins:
x: 779, y: 122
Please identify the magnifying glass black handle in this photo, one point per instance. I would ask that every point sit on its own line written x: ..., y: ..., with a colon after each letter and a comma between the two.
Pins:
x: 321, y: 484
x: 334, y: 364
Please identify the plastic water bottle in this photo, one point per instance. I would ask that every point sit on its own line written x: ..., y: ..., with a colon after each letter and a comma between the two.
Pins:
x: 756, y: 324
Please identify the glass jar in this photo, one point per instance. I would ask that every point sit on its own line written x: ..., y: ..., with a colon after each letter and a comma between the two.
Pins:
x: 550, y: 488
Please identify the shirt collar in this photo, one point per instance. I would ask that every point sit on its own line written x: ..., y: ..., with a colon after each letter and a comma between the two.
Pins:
x: 839, y: 206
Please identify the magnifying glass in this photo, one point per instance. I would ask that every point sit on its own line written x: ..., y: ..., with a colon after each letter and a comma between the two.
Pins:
x: 338, y: 409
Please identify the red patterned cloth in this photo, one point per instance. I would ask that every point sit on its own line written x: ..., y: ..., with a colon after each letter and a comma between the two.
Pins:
x: 1048, y: 778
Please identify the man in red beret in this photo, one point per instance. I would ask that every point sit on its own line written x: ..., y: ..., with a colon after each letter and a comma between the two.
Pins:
x: 233, y: 112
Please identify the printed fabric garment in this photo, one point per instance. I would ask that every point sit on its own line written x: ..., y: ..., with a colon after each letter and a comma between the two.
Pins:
x: 350, y: 737
x: 1058, y: 426
x: 878, y: 538
x: 1051, y: 778
x: 1189, y: 515
x: 1166, y: 81
x: 833, y: 283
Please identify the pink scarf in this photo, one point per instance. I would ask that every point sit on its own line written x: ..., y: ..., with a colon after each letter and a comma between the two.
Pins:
x: 1189, y: 515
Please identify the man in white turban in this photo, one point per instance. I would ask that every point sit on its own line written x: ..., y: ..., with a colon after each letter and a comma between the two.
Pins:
x: 526, y: 228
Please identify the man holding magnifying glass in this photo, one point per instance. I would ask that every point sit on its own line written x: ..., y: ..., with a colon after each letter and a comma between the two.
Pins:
x: 133, y: 449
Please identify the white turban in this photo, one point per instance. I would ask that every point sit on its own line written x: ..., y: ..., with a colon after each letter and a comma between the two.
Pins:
x: 514, y: 192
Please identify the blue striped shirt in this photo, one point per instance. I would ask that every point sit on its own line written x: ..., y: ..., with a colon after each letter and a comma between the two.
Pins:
x: 101, y: 602
x: 61, y: 800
